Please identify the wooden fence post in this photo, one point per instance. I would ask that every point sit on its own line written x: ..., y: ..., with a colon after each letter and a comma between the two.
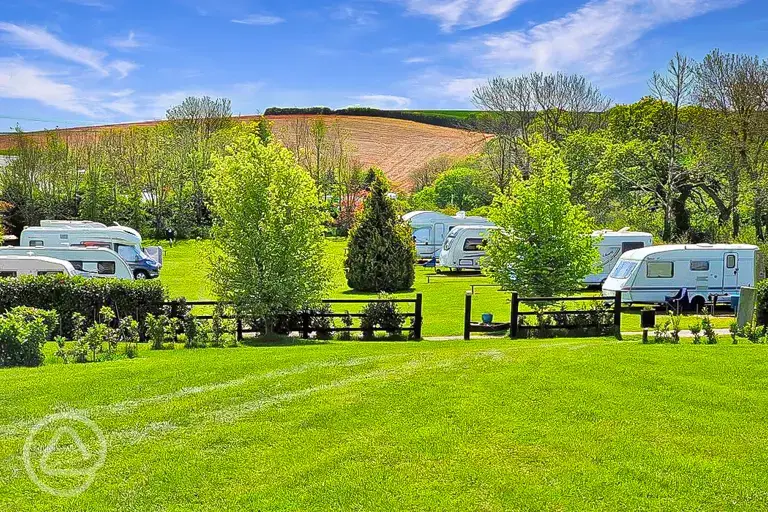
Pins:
x: 514, y: 317
x: 417, y: 324
x: 467, y: 314
x: 617, y: 314
x: 305, y: 325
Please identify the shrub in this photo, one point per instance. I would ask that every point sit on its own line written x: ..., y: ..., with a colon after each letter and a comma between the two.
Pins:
x: 155, y: 329
x: 23, y: 332
x: 384, y: 316
x: 128, y: 333
x: 381, y: 254
x: 709, y: 330
x: 696, y: 332
x: 67, y: 296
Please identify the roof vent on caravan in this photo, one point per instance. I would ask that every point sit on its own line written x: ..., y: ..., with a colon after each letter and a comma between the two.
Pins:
x: 461, y: 215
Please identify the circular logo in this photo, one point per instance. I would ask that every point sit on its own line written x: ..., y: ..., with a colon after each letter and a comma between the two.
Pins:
x: 63, y: 453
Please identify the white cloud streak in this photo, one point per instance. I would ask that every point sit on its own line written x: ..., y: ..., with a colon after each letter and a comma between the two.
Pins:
x: 21, y: 81
x: 594, y: 38
x: 37, y: 38
x: 383, y: 101
x: 463, y: 14
x: 126, y: 43
x: 259, y: 19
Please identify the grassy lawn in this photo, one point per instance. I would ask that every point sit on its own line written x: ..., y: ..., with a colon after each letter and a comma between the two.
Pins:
x: 485, y: 425
x: 186, y: 267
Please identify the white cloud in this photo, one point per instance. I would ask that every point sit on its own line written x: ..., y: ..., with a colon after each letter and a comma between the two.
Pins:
x: 463, y: 14
x: 126, y: 43
x: 415, y: 60
x: 259, y: 19
x: 123, y: 67
x: 357, y: 17
x: 21, y: 81
x: 383, y: 101
x: 594, y: 38
x: 37, y: 38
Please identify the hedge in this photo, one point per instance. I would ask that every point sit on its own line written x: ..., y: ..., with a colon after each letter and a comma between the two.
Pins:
x: 419, y: 117
x: 67, y: 295
x: 761, y: 302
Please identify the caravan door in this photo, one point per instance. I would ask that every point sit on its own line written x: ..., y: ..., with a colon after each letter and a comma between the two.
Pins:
x: 730, y: 271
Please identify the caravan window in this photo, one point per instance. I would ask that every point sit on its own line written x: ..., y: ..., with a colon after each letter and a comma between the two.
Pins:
x: 629, y: 246
x: 730, y: 261
x: 36, y: 243
x: 474, y: 244
x: 699, y: 266
x: 420, y: 236
x: 106, y: 267
x: 449, y: 241
x: 661, y: 269
x: 8, y: 273
x: 48, y: 272
x: 623, y: 269
x: 77, y: 264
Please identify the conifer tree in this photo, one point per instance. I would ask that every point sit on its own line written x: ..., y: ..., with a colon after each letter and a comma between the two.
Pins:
x: 381, y: 252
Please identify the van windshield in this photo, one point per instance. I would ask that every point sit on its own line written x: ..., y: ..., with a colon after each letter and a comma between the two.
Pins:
x: 623, y: 269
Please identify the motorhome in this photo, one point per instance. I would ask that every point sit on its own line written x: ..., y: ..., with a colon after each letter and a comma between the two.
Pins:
x: 611, y: 245
x: 87, y: 261
x: 123, y: 240
x: 14, y: 266
x: 699, y: 272
x: 430, y: 229
x: 464, y: 246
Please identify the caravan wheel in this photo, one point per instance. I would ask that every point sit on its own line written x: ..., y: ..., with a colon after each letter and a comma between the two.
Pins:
x: 698, y: 303
x: 141, y: 274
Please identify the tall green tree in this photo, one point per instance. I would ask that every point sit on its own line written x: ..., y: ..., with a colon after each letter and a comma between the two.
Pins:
x: 268, y: 230
x: 382, y: 253
x: 544, y: 247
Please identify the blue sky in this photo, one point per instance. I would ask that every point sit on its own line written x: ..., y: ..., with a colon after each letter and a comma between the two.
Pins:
x: 73, y: 62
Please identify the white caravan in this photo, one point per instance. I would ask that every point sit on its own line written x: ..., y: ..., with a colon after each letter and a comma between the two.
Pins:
x: 14, y: 266
x: 464, y: 246
x: 431, y: 228
x: 123, y: 240
x: 87, y: 261
x: 611, y: 246
x: 650, y: 275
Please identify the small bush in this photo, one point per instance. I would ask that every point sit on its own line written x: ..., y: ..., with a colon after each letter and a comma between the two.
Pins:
x: 696, y: 332
x: 761, y: 303
x: 709, y: 330
x: 23, y: 332
x: 155, y: 329
x: 384, y: 316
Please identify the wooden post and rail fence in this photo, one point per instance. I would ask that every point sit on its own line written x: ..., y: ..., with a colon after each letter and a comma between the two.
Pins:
x: 304, y: 326
x: 516, y: 329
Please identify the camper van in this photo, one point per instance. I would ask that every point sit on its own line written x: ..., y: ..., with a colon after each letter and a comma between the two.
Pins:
x: 611, y: 245
x: 123, y: 240
x: 14, y: 266
x: 86, y: 261
x: 463, y: 247
x: 430, y: 229
x: 652, y: 274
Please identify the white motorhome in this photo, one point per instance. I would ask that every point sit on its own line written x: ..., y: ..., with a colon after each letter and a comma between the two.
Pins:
x: 87, y: 261
x: 611, y: 245
x: 651, y: 274
x: 430, y: 229
x: 14, y: 266
x: 464, y: 246
x: 123, y: 240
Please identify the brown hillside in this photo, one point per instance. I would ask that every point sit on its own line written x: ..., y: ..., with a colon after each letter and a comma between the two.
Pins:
x: 394, y: 145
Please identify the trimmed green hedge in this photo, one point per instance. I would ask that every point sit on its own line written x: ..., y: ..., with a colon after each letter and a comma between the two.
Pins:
x: 67, y: 295
x: 449, y: 121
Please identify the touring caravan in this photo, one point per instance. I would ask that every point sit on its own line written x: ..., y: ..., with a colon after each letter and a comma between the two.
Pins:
x: 651, y: 274
x: 464, y: 246
x: 14, y: 266
x: 87, y: 261
x: 611, y: 245
x: 123, y: 240
x: 430, y: 229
